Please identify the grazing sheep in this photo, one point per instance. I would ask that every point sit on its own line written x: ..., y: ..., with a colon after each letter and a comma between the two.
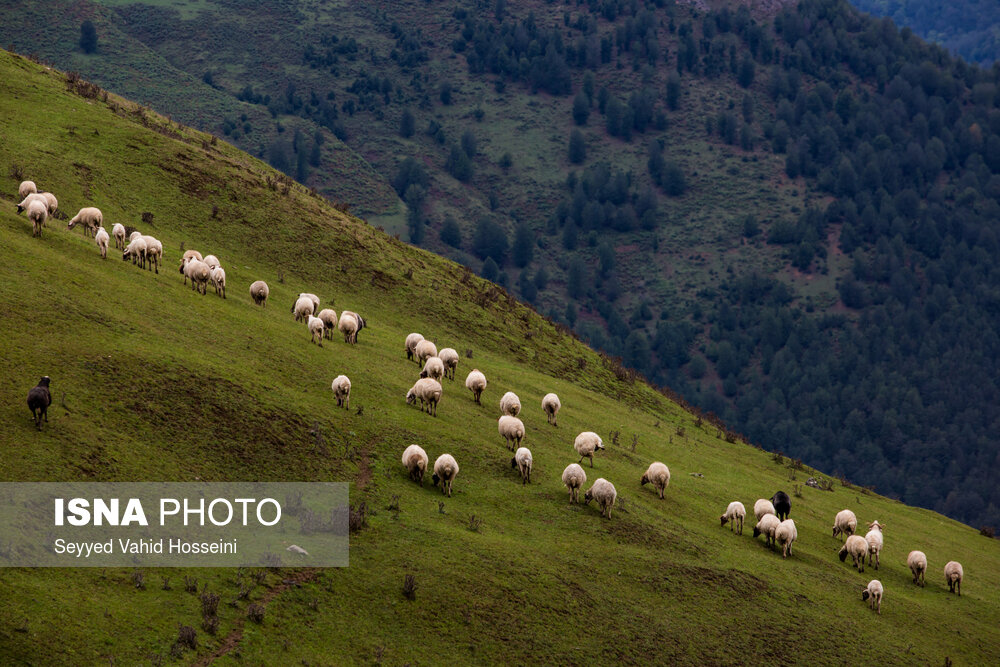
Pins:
x: 411, y: 343
x: 424, y: 350
x: 51, y: 202
x: 118, y: 231
x: 658, y: 474
x: 512, y: 430
x: 91, y: 218
x: 303, y: 308
x: 154, y: 252
x: 510, y: 404
x: 857, y: 547
x: 136, y: 250
x: 39, y: 400
x: 342, y: 392
x: 573, y: 478
x: 522, y: 461
x: 476, y: 383
x: 199, y: 273
x: 449, y: 357
x: 445, y: 470
x: 37, y: 213
x: 551, y: 406
x: 873, y: 593
x: 415, y: 460
x: 188, y: 255
x: 586, y: 444
x: 734, y: 516
x: 782, y: 504
x: 259, y: 292
x: 26, y: 188
x: 953, y: 574
x: 350, y: 324
x: 434, y: 368
x: 767, y: 525
x: 34, y: 196
x: 315, y: 326
x: 761, y: 507
x: 875, y: 541
x: 213, y: 262
x: 134, y: 235
x: 218, y: 279
x: 845, y: 523
x: 428, y: 391
x: 102, y: 239
x: 604, y: 493
x: 329, y: 317
x: 312, y: 297
x: 784, y: 535
x: 917, y: 562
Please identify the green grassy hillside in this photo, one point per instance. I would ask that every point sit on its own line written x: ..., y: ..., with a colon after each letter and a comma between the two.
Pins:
x: 152, y: 381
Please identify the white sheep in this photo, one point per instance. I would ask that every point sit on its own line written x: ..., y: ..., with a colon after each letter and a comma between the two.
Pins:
x: 315, y: 326
x: 761, y: 507
x: 658, y: 474
x: 551, y: 407
x: 510, y: 404
x: 342, y: 392
x: 428, y: 391
x: 476, y: 383
x: 415, y: 461
x: 875, y: 541
x: 218, y: 279
x: 91, y: 218
x: 154, y: 252
x: 586, y: 444
x: 522, y: 461
x: 434, y: 368
x: 449, y: 357
x: 26, y: 188
x: 136, y: 250
x: 350, y: 324
x: 303, y: 308
x: 573, y: 478
x: 953, y: 574
x: 212, y: 261
x: 917, y: 562
x: 102, y: 240
x: 873, y: 594
x: 329, y: 317
x: 845, y: 523
x: 37, y: 213
x: 784, y: 535
x: 604, y: 493
x: 424, y: 350
x: 34, y: 196
x: 259, y: 292
x: 134, y: 235
x: 51, y: 202
x: 411, y: 343
x: 445, y: 470
x: 118, y: 231
x: 312, y: 297
x: 199, y: 273
x: 511, y: 429
x: 857, y: 547
x: 766, y: 526
x: 188, y: 254
x: 735, y: 513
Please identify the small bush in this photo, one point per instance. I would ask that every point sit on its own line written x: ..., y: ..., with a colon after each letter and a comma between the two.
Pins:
x: 987, y: 531
x: 210, y: 624
x: 358, y: 517
x: 191, y: 584
x: 255, y: 613
x: 410, y: 587
x: 209, y: 603
x: 186, y: 637
x: 475, y: 523
x: 139, y: 579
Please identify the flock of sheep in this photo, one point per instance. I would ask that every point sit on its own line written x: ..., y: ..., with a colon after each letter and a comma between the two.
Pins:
x: 772, y: 515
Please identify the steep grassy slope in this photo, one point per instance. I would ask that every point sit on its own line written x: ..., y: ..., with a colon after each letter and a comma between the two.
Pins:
x: 152, y: 381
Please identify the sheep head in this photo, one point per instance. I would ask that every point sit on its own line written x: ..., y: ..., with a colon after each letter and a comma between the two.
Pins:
x: 44, y: 382
x: 513, y: 463
x: 645, y: 480
x: 411, y: 396
x: 865, y: 594
x: 723, y: 519
x: 436, y: 479
x: 423, y: 373
x: 588, y: 496
x: 842, y: 554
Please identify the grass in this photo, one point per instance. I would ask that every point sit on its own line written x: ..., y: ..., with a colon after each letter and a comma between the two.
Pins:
x: 154, y: 382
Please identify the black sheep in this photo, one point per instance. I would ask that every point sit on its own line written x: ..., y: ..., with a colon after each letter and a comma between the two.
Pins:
x: 39, y: 400
x: 782, y: 505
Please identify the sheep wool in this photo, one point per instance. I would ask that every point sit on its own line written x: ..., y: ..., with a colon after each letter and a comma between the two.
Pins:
x: 761, y: 507
x: 259, y: 292
x: 767, y: 525
x: 51, y: 202
x: 845, y: 523
x: 415, y: 461
x: 198, y: 272
x: 315, y: 326
x: 329, y: 317
x: 434, y: 368
x: 38, y: 214
x: 782, y: 504
x: 212, y: 261
x: 411, y: 344
x: 302, y: 308
x: 118, y: 231
x: 734, y: 515
x: 512, y: 430
x: 604, y: 493
x: 154, y: 251
x: 785, y: 534
x: 586, y: 444
x: 449, y: 357
x: 857, y: 548
x: 26, y: 188
x: 428, y: 391
x: 658, y: 474
x: 510, y: 404
x: 34, y: 196
x: 551, y: 406
x: 445, y: 471
x: 218, y: 279
x: 873, y: 594
x: 875, y: 541
x: 39, y: 400
x: 187, y: 256
x: 424, y: 350
x: 350, y: 324
x: 102, y: 239
x: 574, y: 477
x: 522, y: 461
x: 917, y: 562
x: 476, y: 383
x: 342, y: 392
x: 91, y: 218
x: 136, y: 251
x: 953, y: 574
x: 312, y: 297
